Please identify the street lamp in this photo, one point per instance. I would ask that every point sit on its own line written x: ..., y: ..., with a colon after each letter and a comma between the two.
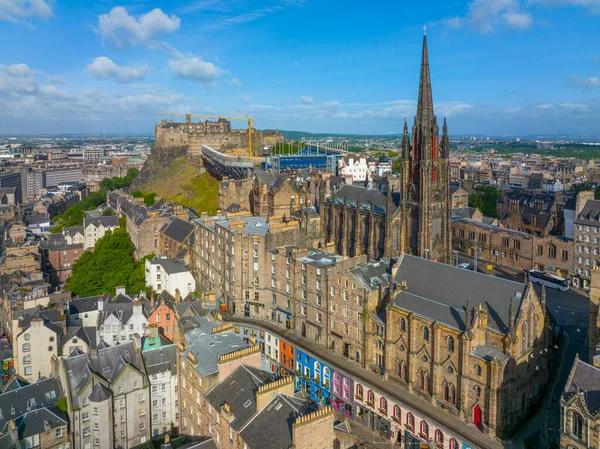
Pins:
x: 456, y: 253
x: 474, y: 258
x: 427, y: 253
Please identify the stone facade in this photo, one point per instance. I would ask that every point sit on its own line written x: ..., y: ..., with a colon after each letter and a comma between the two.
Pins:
x: 580, y: 410
x: 217, y: 135
x: 514, y: 249
x: 235, y: 192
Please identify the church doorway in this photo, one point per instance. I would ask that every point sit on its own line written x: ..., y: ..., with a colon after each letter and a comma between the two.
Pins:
x: 477, y: 416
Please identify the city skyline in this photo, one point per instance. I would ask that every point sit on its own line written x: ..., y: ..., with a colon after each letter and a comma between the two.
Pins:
x: 298, y: 65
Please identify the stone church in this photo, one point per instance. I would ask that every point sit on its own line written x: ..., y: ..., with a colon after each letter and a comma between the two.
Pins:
x: 410, y: 213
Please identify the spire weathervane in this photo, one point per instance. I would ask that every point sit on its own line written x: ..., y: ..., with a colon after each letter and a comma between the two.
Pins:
x: 424, y: 30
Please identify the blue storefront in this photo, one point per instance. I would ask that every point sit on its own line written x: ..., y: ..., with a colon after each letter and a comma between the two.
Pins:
x: 313, y: 377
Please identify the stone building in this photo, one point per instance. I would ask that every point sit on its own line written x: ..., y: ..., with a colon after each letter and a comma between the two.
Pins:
x: 29, y: 417
x: 35, y: 343
x: 217, y: 135
x: 514, y: 249
x: 218, y: 361
x: 235, y: 192
x: 160, y: 360
x: 580, y: 408
x: 96, y: 227
x: 107, y: 397
x: 229, y: 257
x: 170, y: 275
x: 477, y: 346
x: 586, y: 231
x: 176, y: 239
x: 144, y: 224
x: 594, y: 321
x: 122, y: 318
x: 459, y: 197
x: 416, y: 218
x: 533, y: 214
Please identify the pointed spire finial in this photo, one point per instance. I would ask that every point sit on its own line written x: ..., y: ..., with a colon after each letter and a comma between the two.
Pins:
x: 425, y: 115
x: 424, y: 30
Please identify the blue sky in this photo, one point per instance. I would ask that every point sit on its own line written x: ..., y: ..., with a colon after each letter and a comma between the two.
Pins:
x: 499, y: 67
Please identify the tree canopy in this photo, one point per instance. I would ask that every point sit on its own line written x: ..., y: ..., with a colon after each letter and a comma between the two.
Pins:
x: 485, y: 200
x: 110, y: 265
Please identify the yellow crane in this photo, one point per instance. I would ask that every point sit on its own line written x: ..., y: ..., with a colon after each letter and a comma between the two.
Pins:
x: 188, y: 118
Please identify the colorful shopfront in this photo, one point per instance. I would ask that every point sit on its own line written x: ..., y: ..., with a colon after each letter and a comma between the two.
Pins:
x: 342, y: 388
x: 313, y: 377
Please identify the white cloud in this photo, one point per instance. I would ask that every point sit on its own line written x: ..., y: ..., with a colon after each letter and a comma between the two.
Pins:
x: 246, y: 98
x: 18, y: 11
x: 585, y: 3
x: 486, y: 15
x: 105, y: 68
x: 124, y: 30
x: 307, y: 100
x: 585, y: 83
x: 236, y: 82
x: 22, y: 95
x: 194, y: 68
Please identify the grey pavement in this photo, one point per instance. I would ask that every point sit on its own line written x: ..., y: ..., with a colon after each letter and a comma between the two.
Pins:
x: 470, y: 434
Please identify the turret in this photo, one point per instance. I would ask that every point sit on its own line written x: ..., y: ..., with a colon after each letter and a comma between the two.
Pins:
x: 445, y: 143
x: 405, y: 144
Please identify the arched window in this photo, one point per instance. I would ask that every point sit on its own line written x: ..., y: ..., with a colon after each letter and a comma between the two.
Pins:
x: 383, y: 404
x: 446, y: 393
x: 410, y: 421
x: 397, y: 412
x: 439, y: 437
x: 370, y: 397
x: 450, y: 344
x: 478, y: 370
x: 336, y: 377
x: 477, y: 390
x: 359, y: 391
x: 453, y: 443
x: 317, y: 371
x: 422, y: 380
x: 402, y: 325
x: 577, y: 425
x: 425, y: 333
x: 326, y: 373
x: 424, y: 429
x: 525, y: 337
x: 452, y: 395
x: 346, y: 382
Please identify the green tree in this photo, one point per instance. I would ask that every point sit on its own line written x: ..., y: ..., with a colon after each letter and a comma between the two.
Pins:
x: 110, y: 265
x: 597, y: 193
x: 485, y: 200
x: 107, y: 212
x: 149, y: 199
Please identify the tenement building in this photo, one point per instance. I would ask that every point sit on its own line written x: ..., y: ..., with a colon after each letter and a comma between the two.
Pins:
x: 415, y: 219
x: 477, y: 346
x: 230, y: 256
x: 586, y: 230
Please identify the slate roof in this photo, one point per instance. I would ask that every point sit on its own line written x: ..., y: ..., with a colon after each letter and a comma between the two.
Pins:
x: 271, y: 428
x: 239, y: 391
x: 58, y: 242
x: 367, y: 197
x: 585, y: 378
x: 99, y: 393
x: 121, y: 306
x: 33, y: 404
x: 462, y: 212
x: 371, y: 275
x: 73, y: 231
x: 440, y: 292
x: 106, y: 365
x: 319, y: 259
x: 590, y: 213
x: 171, y: 266
x: 86, y: 304
x: 208, y: 347
x: 161, y: 360
x: 252, y: 225
x: 177, y: 229
x: 109, y: 221
x: 86, y: 334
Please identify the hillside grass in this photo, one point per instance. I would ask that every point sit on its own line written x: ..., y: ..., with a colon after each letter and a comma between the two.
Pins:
x: 180, y: 183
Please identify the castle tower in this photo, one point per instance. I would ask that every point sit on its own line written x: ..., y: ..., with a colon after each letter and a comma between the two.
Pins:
x: 426, y: 178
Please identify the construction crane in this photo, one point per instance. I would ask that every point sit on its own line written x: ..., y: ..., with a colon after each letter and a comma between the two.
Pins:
x: 188, y: 118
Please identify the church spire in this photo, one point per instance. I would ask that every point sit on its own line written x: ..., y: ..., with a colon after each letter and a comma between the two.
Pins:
x: 425, y: 116
x: 405, y: 144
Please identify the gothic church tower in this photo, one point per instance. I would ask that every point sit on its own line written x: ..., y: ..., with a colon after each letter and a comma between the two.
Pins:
x: 426, y: 178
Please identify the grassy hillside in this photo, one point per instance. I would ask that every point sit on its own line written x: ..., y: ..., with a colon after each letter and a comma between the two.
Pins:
x: 181, y: 183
